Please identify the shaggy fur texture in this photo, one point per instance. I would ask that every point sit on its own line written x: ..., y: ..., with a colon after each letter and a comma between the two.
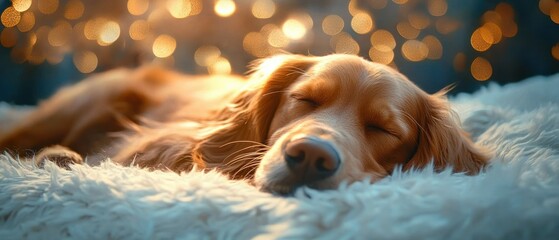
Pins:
x: 516, y: 198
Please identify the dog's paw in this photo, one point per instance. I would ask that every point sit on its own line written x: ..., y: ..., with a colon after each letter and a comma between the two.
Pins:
x: 62, y: 156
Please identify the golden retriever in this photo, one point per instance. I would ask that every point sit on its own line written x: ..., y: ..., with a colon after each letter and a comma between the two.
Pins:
x: 297, y: 121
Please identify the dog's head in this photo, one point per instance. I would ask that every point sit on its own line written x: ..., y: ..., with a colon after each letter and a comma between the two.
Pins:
x: 318, y: 121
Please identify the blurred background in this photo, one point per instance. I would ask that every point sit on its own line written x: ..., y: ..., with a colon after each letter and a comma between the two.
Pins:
x: 46, y: 44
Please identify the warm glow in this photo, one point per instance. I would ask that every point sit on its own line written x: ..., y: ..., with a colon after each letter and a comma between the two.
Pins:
x: 555, y: 51
x: 60, y: 34
x: 8, y: 37
x: 139, y: 29
x: 481, y: 39
x: 407, y: 31
x: 383, y: 40
x: 435, y: 47
x: 93, y: 27
x: 48, y: 6
x: 384, y: 56
x: 225, y: 8
x: 179, y: 8
x: 21, y: 5
x: 220, y: 66
x: 263, y: 9
x: 545, y: 6
x: 294, y: 29
x: 10, y: 17
x: 495, y: 31
x: 85, y: 61
x: 255, y: 44
x: 206, y: 55
x: 344, y: 43
x: 74, y: 9
x: 137, y: 7
x: 481, y: 69
x: 362, y: 23
x: 164, y: 46
x: 419, y: 20
x: 437, y: 8
x: 459, y: 62
x: 55, y: 58
x: 196, y: 7
x: 414, y: 50
x: 276, y: 38
x: 554, y: 13
x: 109, y: 33
x: 446, y: 25
x: 332, y: 24
x: 27, y: 22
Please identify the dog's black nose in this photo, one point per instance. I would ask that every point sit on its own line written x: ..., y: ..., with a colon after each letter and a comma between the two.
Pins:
x: 311, y: 159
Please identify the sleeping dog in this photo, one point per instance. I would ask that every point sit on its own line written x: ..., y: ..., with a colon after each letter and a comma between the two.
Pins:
x: 294, y: 121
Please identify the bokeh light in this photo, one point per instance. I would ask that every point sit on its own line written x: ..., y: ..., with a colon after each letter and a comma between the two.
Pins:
x: 47, y: 6
x: 225, y: 8
x: 220, y: 66
x: 109, y: 33
x: 164, y: 46
x: 362, y: 23
x: 344, y: 43
x: 59, y: 35
x: 10, y: 17
x: 383, y: 40
x: 138, y: 7
x: 85, y: 61
x: 179, y: 8
x: 332, y: 24
x: 21, y: 5
x: 263, y: 9
x: 414, y: 50
x: 481, y: 69
x: 27, y: 22
x: 139, y: 29
x: 222, y: 36
x: 294, y: 29
x: 437, y: 8
x: 435, y: 47
x: 206, y: 55
x: 8, y: 37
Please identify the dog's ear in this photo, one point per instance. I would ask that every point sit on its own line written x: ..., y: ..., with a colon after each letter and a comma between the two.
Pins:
x: 442, y: 140
x: 245, y: 122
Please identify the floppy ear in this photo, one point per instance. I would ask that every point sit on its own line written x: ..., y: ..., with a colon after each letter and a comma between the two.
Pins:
x: 442, y: 140
x: 243, y: 126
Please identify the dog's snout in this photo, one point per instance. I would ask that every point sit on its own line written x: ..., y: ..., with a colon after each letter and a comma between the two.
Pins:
x: 311, y: 159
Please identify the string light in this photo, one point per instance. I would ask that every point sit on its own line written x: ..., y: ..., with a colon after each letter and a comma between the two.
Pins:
x: 49, y: 29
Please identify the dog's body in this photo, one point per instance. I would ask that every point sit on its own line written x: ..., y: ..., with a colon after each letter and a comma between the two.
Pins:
x: 314, y: 121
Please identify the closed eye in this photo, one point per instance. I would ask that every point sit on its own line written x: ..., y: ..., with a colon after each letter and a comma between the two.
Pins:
x: 376, y: 128
x: 306, y: 100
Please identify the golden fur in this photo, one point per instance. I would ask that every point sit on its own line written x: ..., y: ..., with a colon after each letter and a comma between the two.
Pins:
x: 373, y: 117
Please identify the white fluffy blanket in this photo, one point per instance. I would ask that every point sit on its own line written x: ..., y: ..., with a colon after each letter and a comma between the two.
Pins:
x: 517, y: 198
